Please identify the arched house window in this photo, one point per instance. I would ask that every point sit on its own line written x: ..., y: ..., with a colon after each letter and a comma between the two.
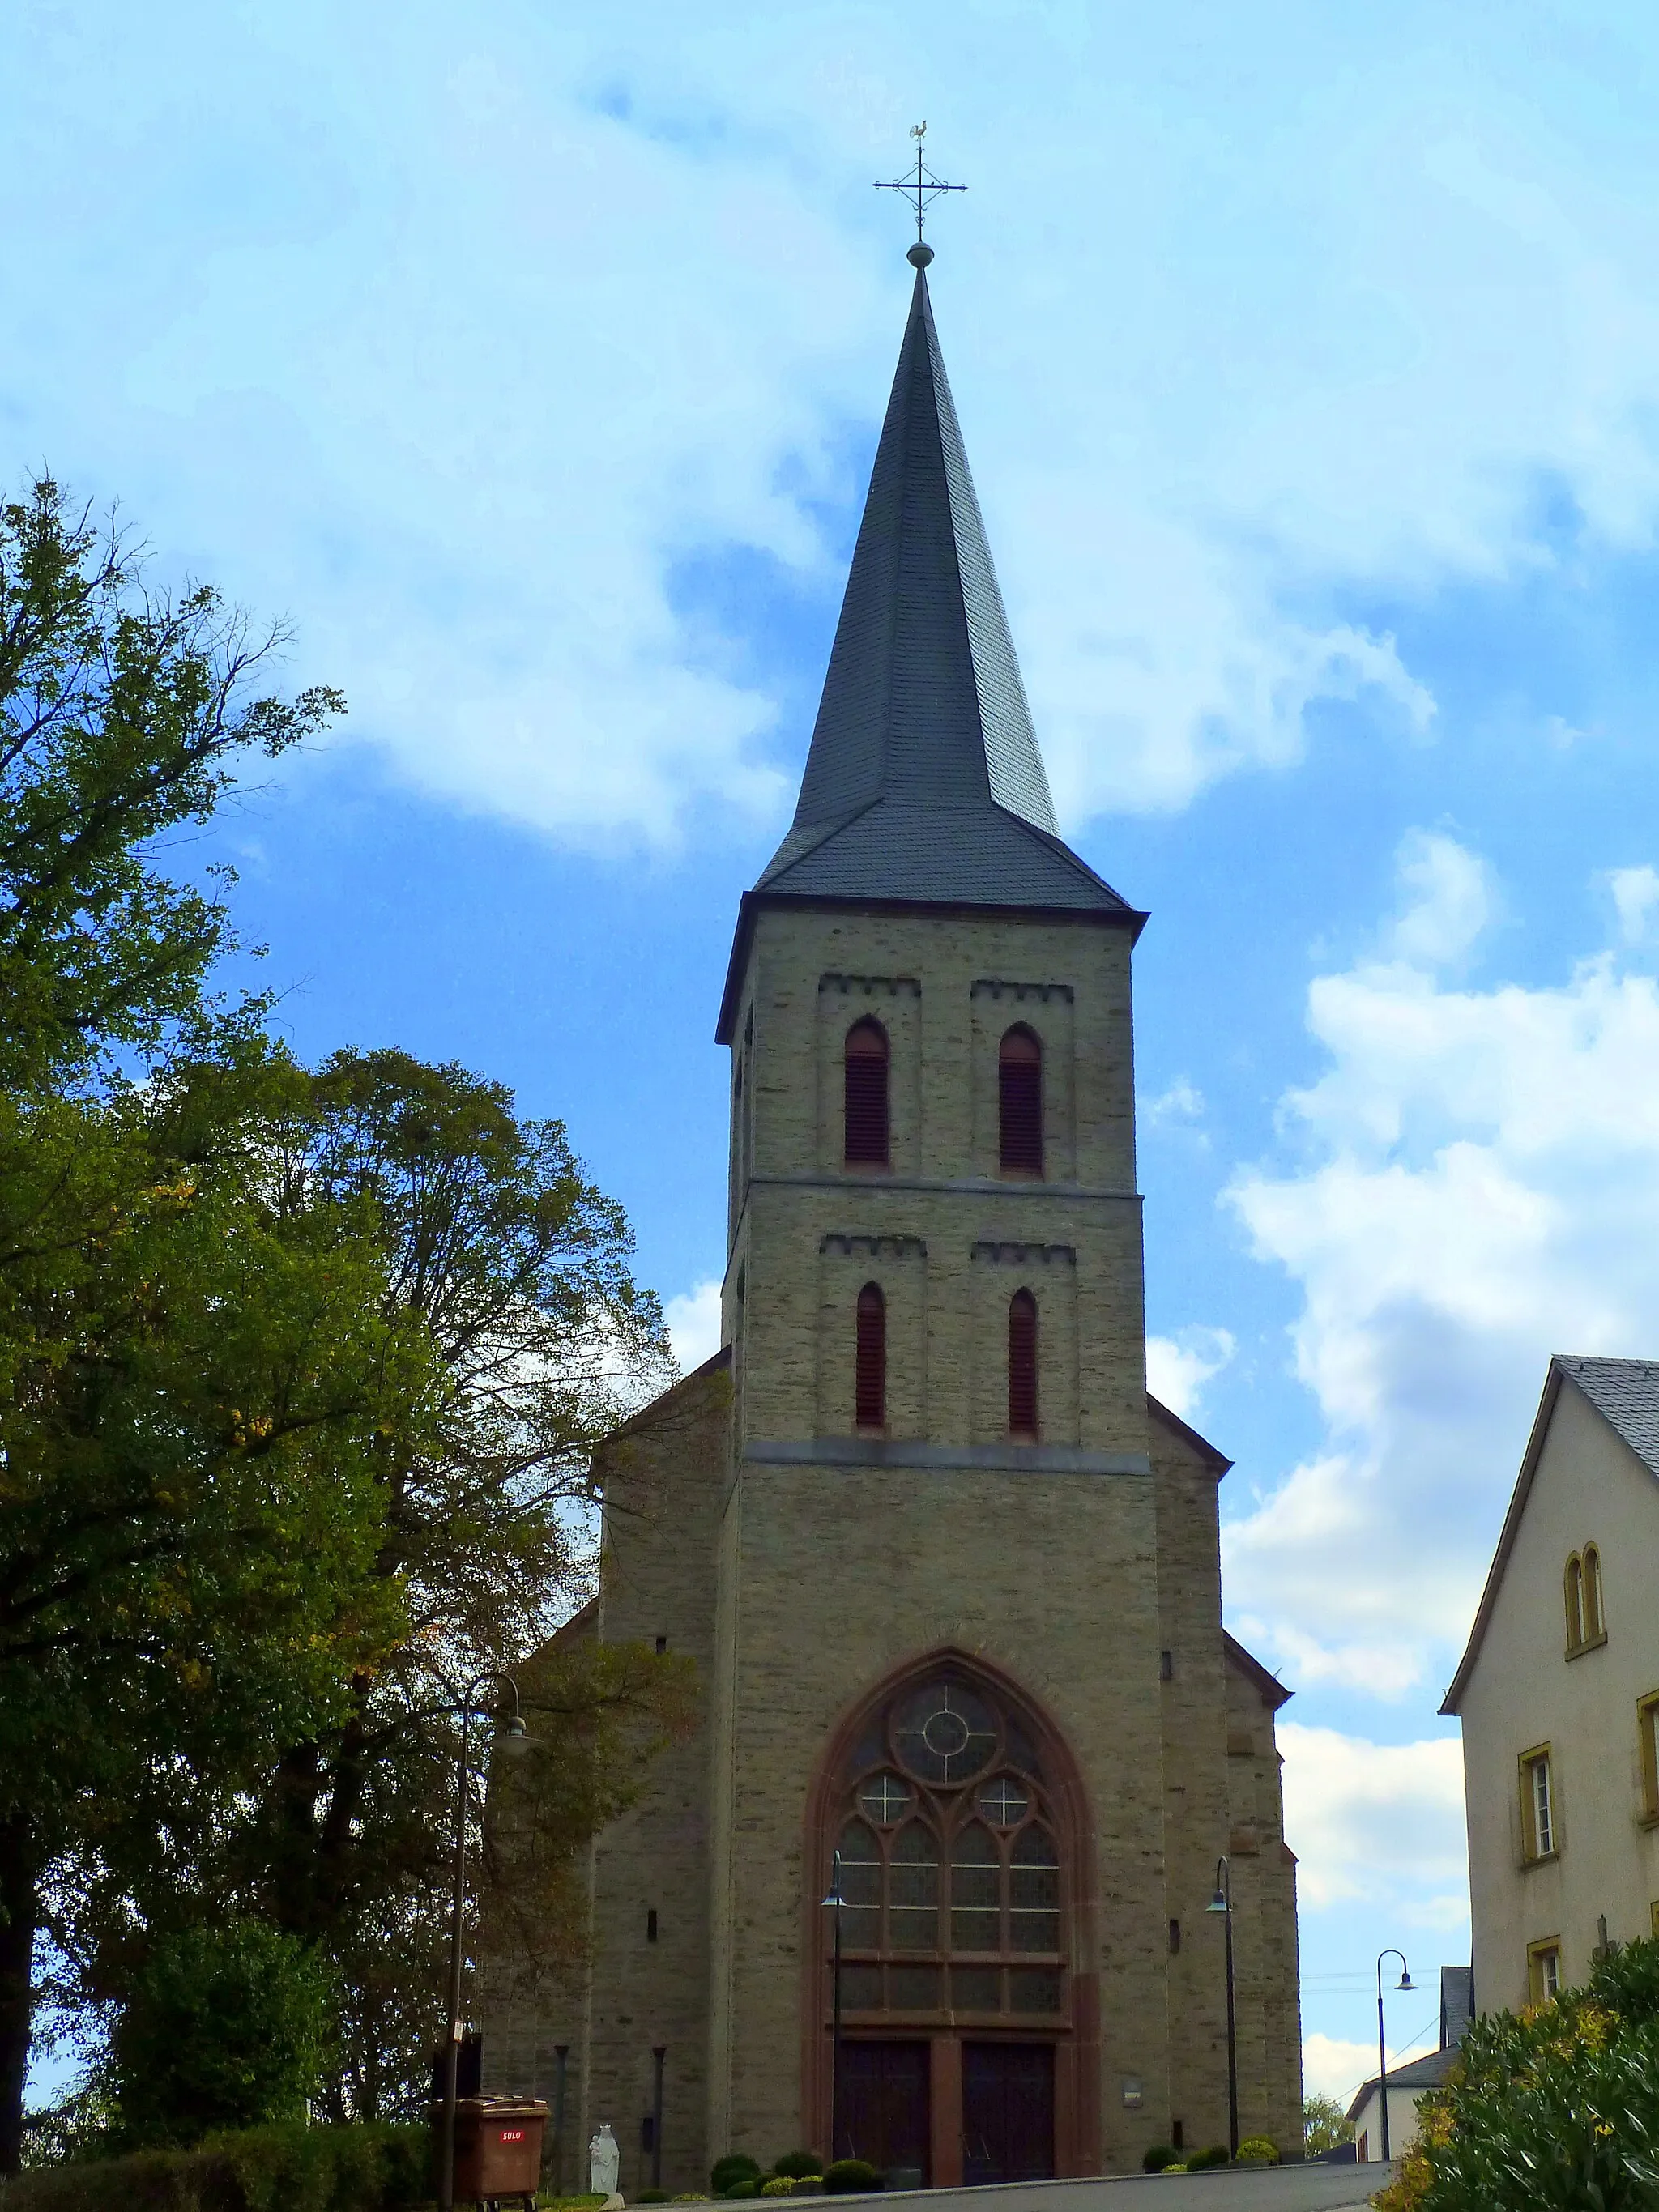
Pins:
x: 1575, y: 1602
x: 1019, y: 1102
x: 1022, y: 1366
x: 965, y: 1876
x: 1595, y: 1620
x: 866, y: 1121
x: 870, y: 1360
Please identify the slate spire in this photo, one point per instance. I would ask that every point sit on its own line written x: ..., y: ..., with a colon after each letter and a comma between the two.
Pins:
x: 924, y: 780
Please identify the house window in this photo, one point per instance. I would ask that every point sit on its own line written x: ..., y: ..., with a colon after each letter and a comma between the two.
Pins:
x: 1596, y: 1624
x: 1647, y: 1735
x: 1022, y: 1366
x: 1544, y: 1971
x: 1019, y: 1094
x: 1575, y: 1596
x: 866, y: 1059
x: 1540, y: 1825
x: 870, y: 1360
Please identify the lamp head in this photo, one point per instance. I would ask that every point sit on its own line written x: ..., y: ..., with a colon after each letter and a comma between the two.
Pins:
x: 1219, y: 1903
x: 511, y: 1733
x: 1405, y: 1981
x: 834, y: 1897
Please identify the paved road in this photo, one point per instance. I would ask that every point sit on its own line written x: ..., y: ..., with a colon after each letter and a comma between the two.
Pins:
x: 1261, y: 2189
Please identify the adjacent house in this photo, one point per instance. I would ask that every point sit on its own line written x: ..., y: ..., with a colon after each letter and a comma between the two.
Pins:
x: 1558, y: 1692
x: 1406, y: 2083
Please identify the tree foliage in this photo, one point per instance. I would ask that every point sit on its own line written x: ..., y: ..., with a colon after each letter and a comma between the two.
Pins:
x: 300, y: 1375
x: 1556, y: 2108
x: 228, y: 2026
x: 1324, y: 2124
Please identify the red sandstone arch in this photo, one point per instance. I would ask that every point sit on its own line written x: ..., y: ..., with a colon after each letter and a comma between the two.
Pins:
x: 1076, y: 2036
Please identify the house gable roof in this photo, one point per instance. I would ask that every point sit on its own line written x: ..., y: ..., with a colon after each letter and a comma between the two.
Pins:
x: 1625, y: 1394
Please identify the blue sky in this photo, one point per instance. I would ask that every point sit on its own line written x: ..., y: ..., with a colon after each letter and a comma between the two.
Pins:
x: 530, y: 362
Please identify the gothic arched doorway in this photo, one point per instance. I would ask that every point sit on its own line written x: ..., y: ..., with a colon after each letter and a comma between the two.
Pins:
x: 969, y: 2002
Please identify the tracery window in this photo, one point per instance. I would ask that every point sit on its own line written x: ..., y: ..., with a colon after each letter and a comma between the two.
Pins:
x: 950, y: 1868
x: 1019, y: 1100
x: 866, y: 1118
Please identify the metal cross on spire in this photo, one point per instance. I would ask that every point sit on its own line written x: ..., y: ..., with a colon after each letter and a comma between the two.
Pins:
x: 921, y: 191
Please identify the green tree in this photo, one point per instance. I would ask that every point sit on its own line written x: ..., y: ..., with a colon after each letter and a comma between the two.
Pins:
x: 152, y: 1429
x: 1324, y: 2124
x: 514, y: 1269
x: 225, y: 2027
x: 124, y: 714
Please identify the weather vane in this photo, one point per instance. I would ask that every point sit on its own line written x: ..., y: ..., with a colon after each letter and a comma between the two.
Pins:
x: 921, y: 191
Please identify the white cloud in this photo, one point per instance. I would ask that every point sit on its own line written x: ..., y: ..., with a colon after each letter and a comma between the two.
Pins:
x: 1449, y: 898
x: 1182, y: 1102
x: 694, y: 1324
x: 474, y: 353
x: 1635, y: 895
x: 1331, y: 2067
x: 1382, y: 1822
x: 1473, y: 1183
x: 1178, y: 1367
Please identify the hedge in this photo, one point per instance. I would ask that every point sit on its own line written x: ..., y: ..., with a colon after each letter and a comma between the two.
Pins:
x: 283, y: 2168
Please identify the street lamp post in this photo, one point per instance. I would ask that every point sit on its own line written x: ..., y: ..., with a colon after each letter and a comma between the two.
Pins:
x: 1404, y: 1982
x: 1222, y: 1902
x: 835, y: 1899
x: 509, y: 1729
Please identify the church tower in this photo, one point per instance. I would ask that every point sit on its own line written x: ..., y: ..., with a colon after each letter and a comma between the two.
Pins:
x: 930, y: 1884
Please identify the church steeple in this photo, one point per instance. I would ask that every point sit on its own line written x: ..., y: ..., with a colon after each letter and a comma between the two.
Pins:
x: 924, y: 782
x: 923, y: 720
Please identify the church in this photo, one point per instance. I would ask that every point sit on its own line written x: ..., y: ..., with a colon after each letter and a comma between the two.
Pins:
x: 937, y: 1881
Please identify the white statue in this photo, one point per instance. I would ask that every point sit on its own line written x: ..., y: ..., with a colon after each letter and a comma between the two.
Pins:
x: 604, y: 2167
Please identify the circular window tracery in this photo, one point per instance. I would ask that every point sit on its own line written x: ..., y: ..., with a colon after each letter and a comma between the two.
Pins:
x: 944, y: 1734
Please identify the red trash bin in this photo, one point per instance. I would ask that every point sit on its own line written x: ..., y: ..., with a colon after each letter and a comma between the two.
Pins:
x: 498, y: 2149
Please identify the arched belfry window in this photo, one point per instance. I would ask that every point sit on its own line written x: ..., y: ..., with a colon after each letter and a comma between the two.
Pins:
x: 866, y: 1056
x: 1019, y: 1101
x: 1022, y: 1366
x: 870, y: 1360
x: 955, y: 1807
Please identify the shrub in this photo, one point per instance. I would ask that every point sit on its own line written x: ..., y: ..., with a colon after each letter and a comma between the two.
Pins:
x: 735, y: 2166
x: 1159, y: 2156
x: 798, y: 2164
x: 778, y: 2186
x: 749, y: 2187
x: 292, y: 2168
x: 1556, y: 2106
x: 1258, y: 2150
x: 653, y: 2197
x: 223, y: 2027
x: 1175, y: 2165
x: 850, y: 2177
x: 1201, y: 2160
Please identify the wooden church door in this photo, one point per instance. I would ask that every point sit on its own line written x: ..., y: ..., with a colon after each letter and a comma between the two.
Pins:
x: 884, y: 2109
x: 1007, y: 2112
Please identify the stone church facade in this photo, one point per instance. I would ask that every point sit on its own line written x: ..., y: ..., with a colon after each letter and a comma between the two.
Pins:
x: 950, y: 1577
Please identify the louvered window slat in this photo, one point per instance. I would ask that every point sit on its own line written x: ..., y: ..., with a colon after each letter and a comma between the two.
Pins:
x: 1020, y: 1088
x: 866, y: 1119
x: 870, y: 1363
x: 1023, y: 1365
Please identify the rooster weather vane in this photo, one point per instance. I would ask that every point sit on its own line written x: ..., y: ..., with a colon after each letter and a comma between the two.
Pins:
x: 921, y: 190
